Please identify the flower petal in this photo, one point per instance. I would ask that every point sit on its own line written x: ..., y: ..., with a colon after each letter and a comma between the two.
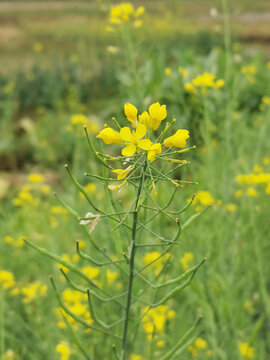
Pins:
x: 126, y: 135
x: 131, y: 113
x: 129, y: 150
x: 140, y: 131
x: 144, y: 144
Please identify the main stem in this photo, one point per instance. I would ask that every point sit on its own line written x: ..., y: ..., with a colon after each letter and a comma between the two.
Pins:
x: 131, y: 263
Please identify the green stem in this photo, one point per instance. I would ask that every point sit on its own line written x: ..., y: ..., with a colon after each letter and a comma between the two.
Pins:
x: 131, y: 264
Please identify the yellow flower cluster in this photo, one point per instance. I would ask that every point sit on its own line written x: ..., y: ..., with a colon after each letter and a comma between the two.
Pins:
x: 266, y: 100
x: 125, y: 13
x: 136, y: 357
x: 246, y: 351
x: 155, y: 319
x: 31, y: 291
x: 17, y: 243
x: 249, y: 71
x: 202, y: 198
x: 186, y: 260
x: 6, y: 279
x: 137, y: 140
x: 90, y: 188
x: 256, y: 178
x: 76, y: 302
x: 63, y: 349
x: 79, y: 120
x: 156, y: 262
x: 199, y: 346
x: 26, y: 195
x: 204, y: 82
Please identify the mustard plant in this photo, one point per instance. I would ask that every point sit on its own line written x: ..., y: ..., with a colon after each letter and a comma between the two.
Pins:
x: 149, y: 159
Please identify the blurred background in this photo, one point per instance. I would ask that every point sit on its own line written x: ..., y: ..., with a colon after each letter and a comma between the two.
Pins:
x: 65, y: 64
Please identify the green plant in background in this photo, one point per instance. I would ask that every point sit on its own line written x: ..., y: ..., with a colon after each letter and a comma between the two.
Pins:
x: 149, y: 158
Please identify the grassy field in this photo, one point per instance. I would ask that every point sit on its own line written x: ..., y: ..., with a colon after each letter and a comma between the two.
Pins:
x: 69, y: 66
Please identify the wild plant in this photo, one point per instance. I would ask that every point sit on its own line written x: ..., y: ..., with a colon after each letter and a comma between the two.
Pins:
x: 138, y: 202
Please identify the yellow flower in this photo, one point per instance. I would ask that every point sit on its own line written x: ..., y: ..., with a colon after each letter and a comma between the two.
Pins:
x: 155, y: 260
x: 266, y: 100
x: 131, y: 113
x: 79, y: 119
x: 121, y: 174
x: 91, y: 271
x: 219, y: 84
x: 90, y: 188
x: 135, y: 357
x: 230, y: 207
x: 193, y: 351
x: 238, y: 193
x: 204, y: 80
x: 6, y: 279
x: 111, y: 276
x: 58, y: 210
x: 178, y: 139
x: 145, y: 119
x: 138, y: 23
x: 157, y: 113
x: 246, y: 351
x: 110, y: 136
x: 160, y: 343
x: 63, y: 349
x: 35, y: 178
x: 203, y: 198
x: 248, y: 69
x: 31, y: 291
x: 251, y: 192
x: 139, y: 11
x: 155, y: 319
x: 168, y: 71
x: 183, y: 72
x: 186, y: 259
x: 154, y: 150
x: 132, y: 140
x: 190, y: 88
x: 200, y: 344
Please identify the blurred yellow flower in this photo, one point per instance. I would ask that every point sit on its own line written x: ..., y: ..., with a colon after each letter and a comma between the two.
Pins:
x: 31, y: 291
x: 111, y: 276
x: 190, y: 88
x: 252, y: 192
x: 6, y: 279
x: 183, y: 72
x: 64, y: 350
x: 246, y: 351
x: 36, y: 178
x: 168, y: 71
x: 186, y: 260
